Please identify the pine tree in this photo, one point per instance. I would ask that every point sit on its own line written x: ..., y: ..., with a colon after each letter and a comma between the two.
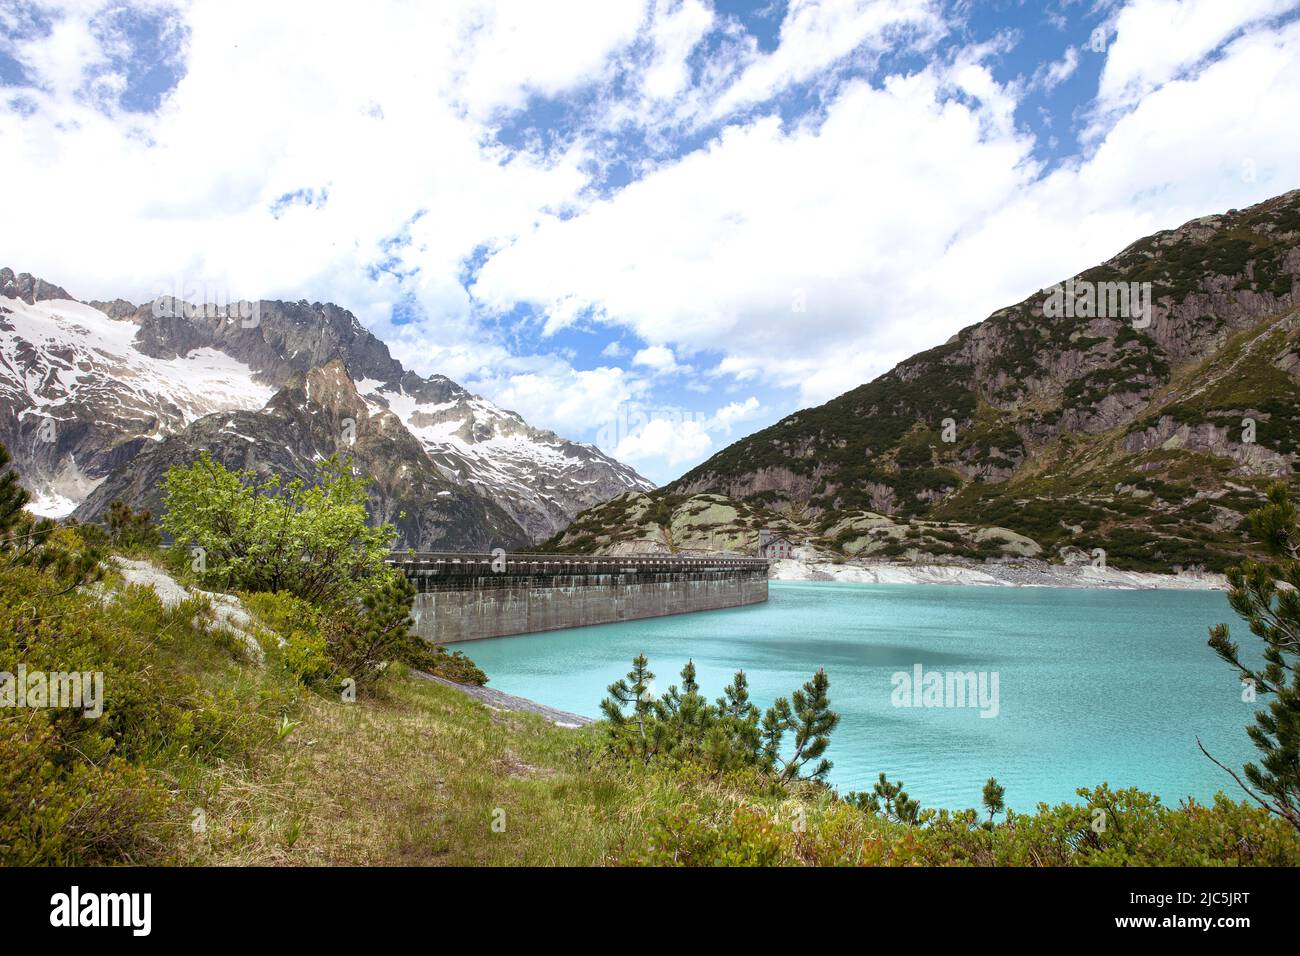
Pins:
x: 374, y: 631
x: 734, y: 740
x: 897, y: 805
x: 813, y: 722
x: 633, y: 691
x: 685, y: 717
x: 811, y: 719
x: 776, y: 721
x: 993, y: 798
x: 13, y: 498
x: 128, y: 528
x: 1267, y: 596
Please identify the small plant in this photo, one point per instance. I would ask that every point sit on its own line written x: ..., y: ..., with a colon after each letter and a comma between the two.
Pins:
x: 992, y: 798
x: 130, y: 530
x: 285, y: 727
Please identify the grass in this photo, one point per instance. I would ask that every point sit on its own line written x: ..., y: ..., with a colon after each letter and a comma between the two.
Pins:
x: 418, y: 776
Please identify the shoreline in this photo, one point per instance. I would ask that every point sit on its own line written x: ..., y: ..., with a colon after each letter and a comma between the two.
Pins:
x: 1036, y: 575
x: 495, y: 699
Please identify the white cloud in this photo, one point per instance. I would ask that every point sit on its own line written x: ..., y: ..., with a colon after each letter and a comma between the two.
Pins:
x: 817, y: 33
x: 659, y: 440
x: 1156, y: 40
x: 660, y: 358
x: 550, y: 393
x: 736, y: 413
x: 907, y: 214
x: 675, y: 33
x: 509, y: 49
x: 667, y: 441
x: 1051, y: 75
x: 784, y: 249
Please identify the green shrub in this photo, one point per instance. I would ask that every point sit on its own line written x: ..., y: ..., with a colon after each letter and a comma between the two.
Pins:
x: 454, y: 666
x: 747, y: 836
x: 310, y: 540
x: 58, y: 812
x: 1110, y: 828
x: 130, y: 530
x: 98, y: 799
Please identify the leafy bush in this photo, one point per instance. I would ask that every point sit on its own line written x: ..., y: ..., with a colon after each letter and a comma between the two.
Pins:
x: 1110, y: 828
x: 454, y: 666
x: 78, y: 788
x: 53, y: 812
x: 98, y: 802
x: 310, y: 540
x: 313, y: 543
x: 40, y: 543
x: 323, y: 646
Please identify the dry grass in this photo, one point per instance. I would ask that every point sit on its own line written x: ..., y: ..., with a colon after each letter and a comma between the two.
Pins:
x: 422, y: 775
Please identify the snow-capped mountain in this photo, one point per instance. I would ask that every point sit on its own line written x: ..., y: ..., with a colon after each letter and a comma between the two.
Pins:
x: 540, y: 478
x: 86, y: 387
x: 316, y: 415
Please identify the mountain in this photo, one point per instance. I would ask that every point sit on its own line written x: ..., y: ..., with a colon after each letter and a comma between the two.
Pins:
x: 1068, y: 418
x: 663, y: 523
x: 87, y: 389
x: 314, y: 416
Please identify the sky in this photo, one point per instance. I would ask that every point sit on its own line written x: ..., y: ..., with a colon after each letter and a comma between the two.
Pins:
x: 656, y: 225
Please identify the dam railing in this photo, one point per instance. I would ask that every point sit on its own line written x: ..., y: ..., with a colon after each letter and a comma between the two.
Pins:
x: 477, y: 563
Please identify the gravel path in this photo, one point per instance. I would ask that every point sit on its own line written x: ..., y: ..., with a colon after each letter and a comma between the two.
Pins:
x: 500, y: 701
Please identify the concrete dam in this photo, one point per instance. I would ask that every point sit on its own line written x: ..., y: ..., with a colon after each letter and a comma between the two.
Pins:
x: 466, y: 597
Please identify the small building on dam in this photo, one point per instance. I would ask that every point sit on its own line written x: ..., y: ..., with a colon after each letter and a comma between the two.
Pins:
x: 466, y: 597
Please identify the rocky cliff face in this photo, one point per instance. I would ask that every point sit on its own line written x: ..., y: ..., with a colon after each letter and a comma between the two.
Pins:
x: 87, y: 388
x: 1095, y: 424
x: 314, y: 416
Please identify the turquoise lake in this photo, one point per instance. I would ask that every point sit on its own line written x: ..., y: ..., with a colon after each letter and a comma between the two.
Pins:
x: 1092, y: 686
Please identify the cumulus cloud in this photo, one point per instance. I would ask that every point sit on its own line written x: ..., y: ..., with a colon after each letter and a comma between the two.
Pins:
x: 658, y: 358
x: 817, y: 33
x: 667, y: 437
x: 1157, y: 40
x: 815, y: 256
x: 399, y: 163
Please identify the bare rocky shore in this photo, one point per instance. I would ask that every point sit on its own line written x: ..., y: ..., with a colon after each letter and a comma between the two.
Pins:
x: 1022, y: 574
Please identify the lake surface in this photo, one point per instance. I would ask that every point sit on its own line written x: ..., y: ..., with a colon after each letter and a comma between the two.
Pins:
x: 1092, y: 686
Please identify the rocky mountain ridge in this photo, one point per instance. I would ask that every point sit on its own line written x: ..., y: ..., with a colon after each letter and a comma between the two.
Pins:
x: 87, y: 388
x: 1142, y: 421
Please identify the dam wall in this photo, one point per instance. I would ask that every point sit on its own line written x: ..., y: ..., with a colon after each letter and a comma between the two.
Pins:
x: 469, y: 597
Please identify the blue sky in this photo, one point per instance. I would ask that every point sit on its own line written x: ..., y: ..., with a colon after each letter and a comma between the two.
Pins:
x: 655, y: 224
